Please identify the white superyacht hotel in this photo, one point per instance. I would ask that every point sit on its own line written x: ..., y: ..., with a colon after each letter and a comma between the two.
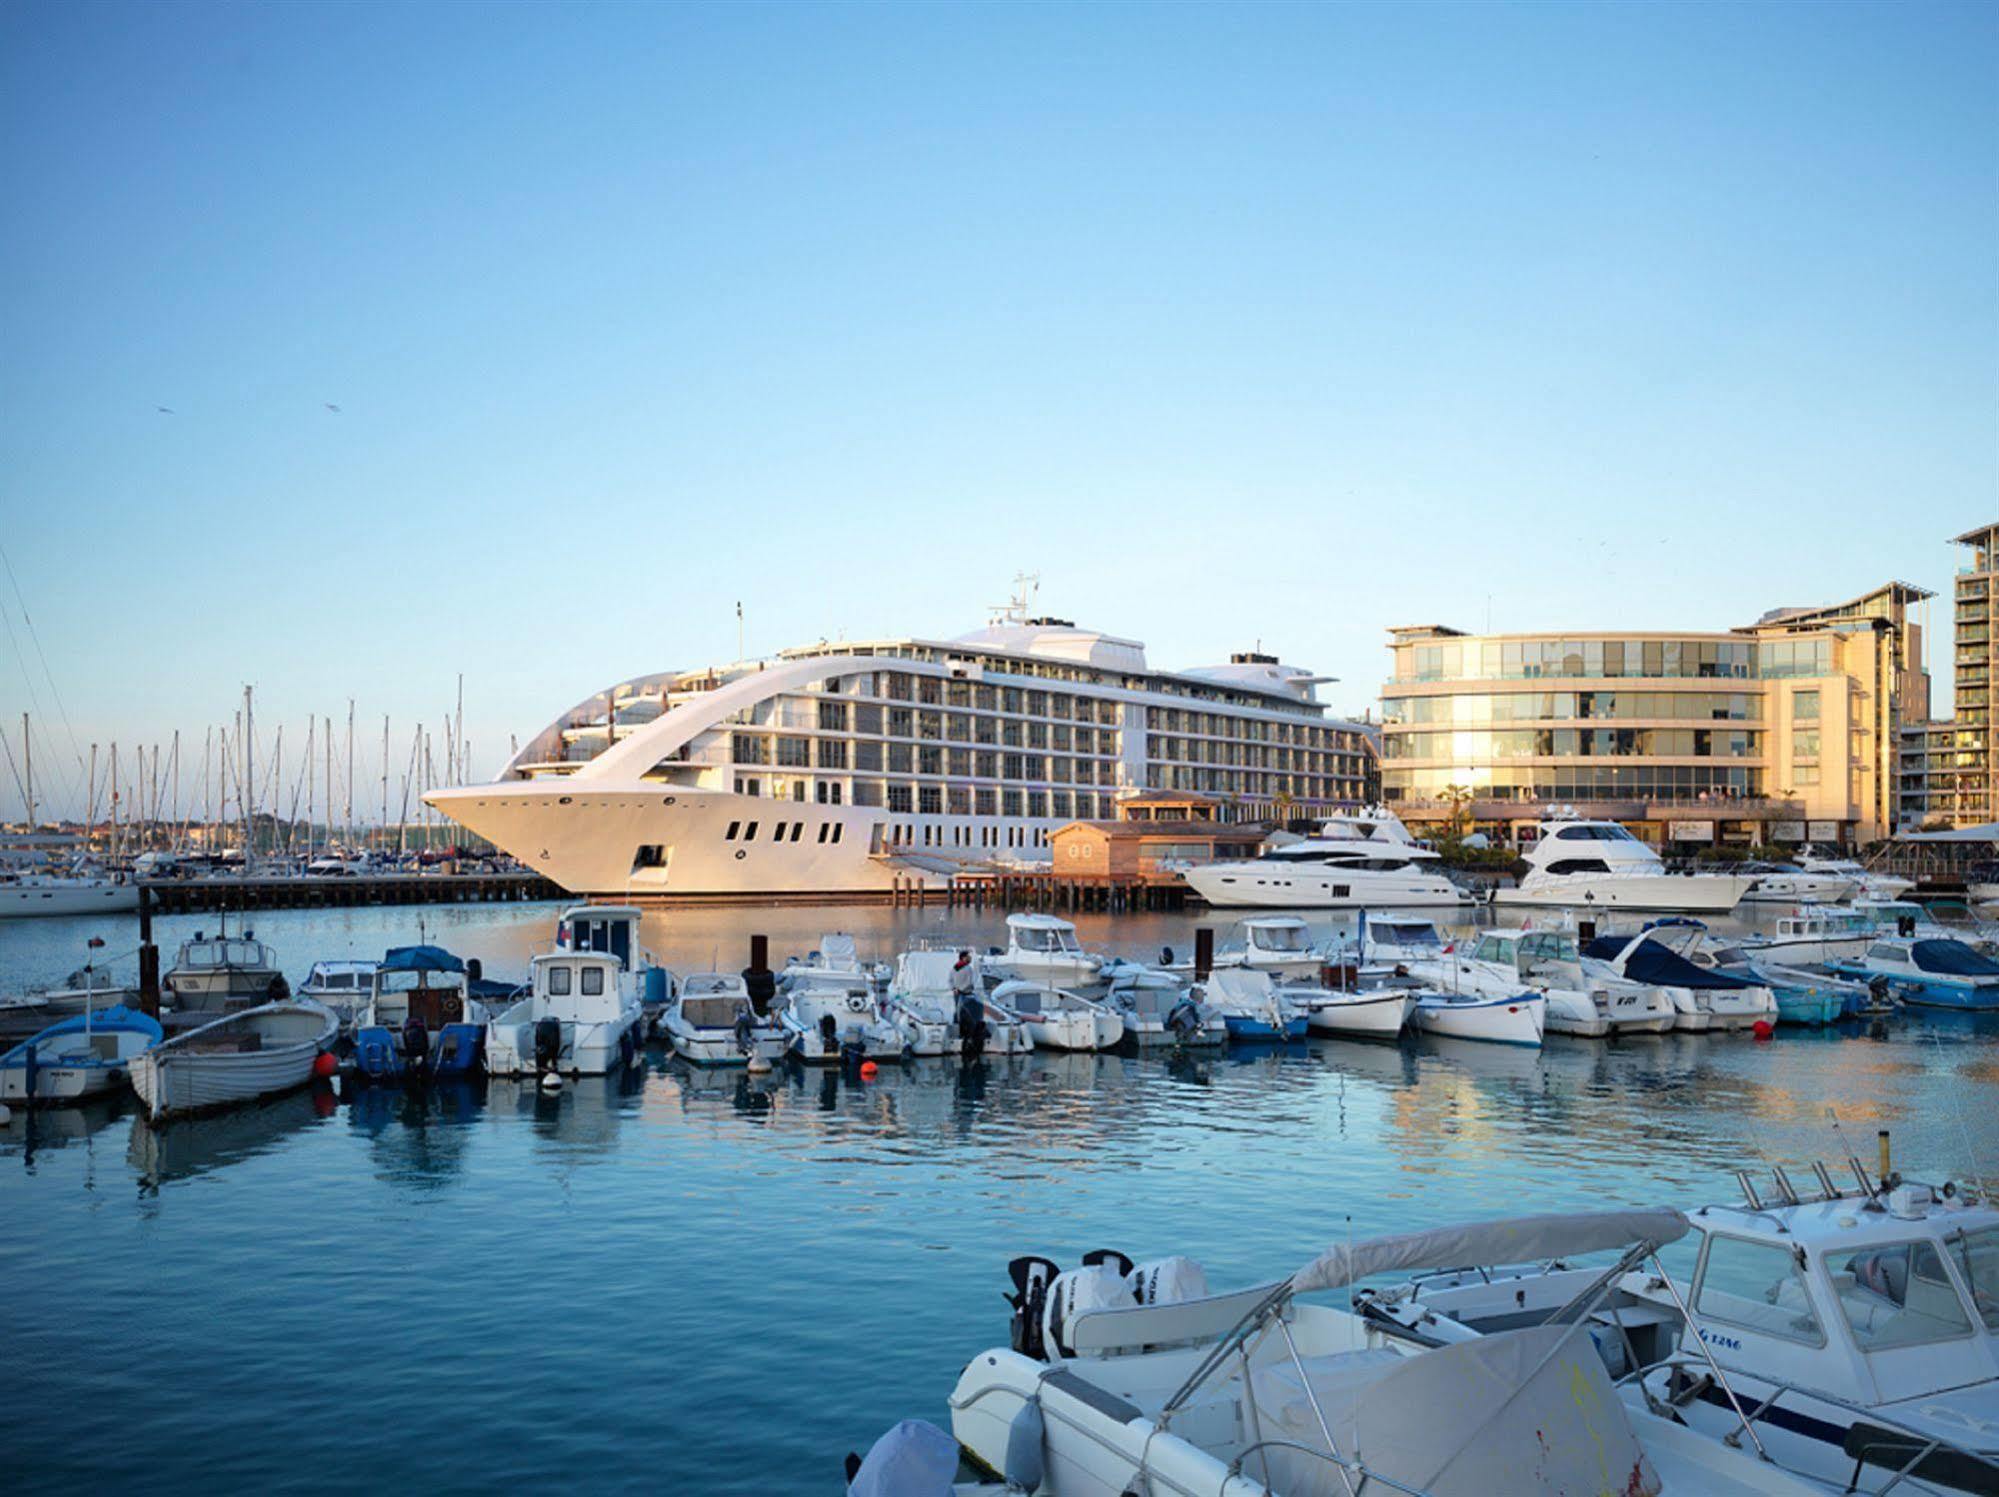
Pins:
x: 838, y: 768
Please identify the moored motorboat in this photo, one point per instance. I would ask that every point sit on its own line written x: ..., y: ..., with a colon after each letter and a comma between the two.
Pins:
x: 711, y: 1021
x: 1378, y: 1007
x: 1703, y: 998
x: 826, y: 1018
x: 236, y: 1057
x: 1935, y: 973
x: 79, y: 1057
x: 1278, y: 944
x: 1043, y: 948
x: 1515, y: 1019
x: 1362, y: 860
x: 420, y: 1021
x: 1599, y: 864
x: 1059, y: 1019
x: 921, y: 1003
x: 1160, y: 1008
x: 221, y: 973
x: 1789, y: 883
x: 578, y: 1019
x: 1580, y: 1001
x: 342, y: 985
x: 1253, y: 1007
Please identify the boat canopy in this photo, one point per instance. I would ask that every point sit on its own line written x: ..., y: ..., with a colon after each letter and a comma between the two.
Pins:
x: 1952, y: 959
x: 1519, y: 1239
x: 1649, y: 962
x: 420, y: 959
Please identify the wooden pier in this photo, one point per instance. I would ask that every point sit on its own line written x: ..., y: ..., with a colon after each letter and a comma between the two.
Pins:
x: 1036, y: 890
x: 192, y: 896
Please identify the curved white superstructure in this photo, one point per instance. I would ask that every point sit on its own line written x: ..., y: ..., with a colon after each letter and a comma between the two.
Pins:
x: 1365, y: 861
x: 852, y: 767
x: 1599, y: 863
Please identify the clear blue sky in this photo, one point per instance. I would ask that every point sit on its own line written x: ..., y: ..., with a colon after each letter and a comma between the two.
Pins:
x: 1234, y: 323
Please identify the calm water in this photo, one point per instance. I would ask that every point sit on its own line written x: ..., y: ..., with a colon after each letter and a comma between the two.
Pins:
x: 708, y: 1283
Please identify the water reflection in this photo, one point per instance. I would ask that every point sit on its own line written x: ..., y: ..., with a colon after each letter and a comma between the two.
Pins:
x: 186, y: 1147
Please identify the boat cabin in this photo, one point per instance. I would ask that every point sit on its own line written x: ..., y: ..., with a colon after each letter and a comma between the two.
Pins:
x: 714, y: 1000
x: 1874, y: 1298
x: 425, y: 983
x: 1044, y: 935
x: 1527, y: 952
x: 609, y: 928
x: 1276, y: 935
x: 576, y: 986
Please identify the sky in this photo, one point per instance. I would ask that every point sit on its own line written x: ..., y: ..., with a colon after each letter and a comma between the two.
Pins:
x: 1236, y: 324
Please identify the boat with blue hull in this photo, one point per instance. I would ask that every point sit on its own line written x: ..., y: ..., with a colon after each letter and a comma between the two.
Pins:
x: 420, y: 1021
x: 1255, y: 1008
x: 83, y: 1056
x: 1934, y: 972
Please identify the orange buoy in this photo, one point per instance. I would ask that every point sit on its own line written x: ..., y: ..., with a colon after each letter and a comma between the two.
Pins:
x: 1762, y: 1029
x: 325, y: 1064
x: 868, y: 1070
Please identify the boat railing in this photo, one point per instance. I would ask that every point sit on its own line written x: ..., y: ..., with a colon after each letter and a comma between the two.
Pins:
x: 1926, y: 1443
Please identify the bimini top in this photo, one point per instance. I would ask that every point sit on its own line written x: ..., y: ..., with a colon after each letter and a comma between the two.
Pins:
x: 420, y: 959
x: 1649, y: 962
x: 1519, y: 1239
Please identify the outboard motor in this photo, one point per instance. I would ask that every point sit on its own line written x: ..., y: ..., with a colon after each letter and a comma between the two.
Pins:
x: 1166, y: 956
x: 1905, y: 925
x: 416, y: 1047
x: 1168, y: 1281
x: 1184, y: 1020
x: 971, y: 1029
x: 852, y: 1053
x: 1101, y: 1284
x: 829, y: 1035
x: 1031, y: 1277
x: 547, y: 1043
x: 746, y: 1029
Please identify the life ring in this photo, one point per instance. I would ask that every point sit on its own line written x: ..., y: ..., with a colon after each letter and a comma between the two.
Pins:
x: 740, y: 855
x: 856, y: 1004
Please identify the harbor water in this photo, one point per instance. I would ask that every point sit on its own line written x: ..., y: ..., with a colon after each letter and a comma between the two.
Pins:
x: 708, y: 1282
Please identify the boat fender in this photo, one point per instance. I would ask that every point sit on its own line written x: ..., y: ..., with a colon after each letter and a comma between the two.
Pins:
x: 914, y: 1459
x: 6, y: 1114
x: 1024, y: 1465
x: 551, y: 1081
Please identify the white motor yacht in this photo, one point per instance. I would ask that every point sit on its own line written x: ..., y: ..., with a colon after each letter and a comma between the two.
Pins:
x: 1581, y: 1002
x: 712, y: 1022
x: 1364, y: 861
x: 28, y: 894
x: 1120, y: 1380
x: 1600, y: 864
x: 578, y: 1019
x: 1043, y: 948
x: 1792, y: 883
x: 1851, y: 1338
x: 1160, y: 1008
x: 1059, y: 1019
x: 1873, y: 884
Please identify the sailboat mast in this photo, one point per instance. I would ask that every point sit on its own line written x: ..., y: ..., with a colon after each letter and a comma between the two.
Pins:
x: 28, y: 753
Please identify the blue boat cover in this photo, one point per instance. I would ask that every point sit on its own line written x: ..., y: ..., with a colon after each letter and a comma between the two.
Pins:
x: 491, y: 989
x: 1654, y: 964
x: 421, y: 959
x: 108, y: 1019
x: 1953, y: 959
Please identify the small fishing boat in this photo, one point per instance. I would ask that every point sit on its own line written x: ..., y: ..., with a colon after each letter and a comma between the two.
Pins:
x: 825, y: 1019
x: 82, y: 1056
x: 1043, y: 948
x: 1935, y: 973
x: 222, y: 973
x: 1377, y: 1007
x: 1518, y: 1019
x: 1253, y: 1007
x: 579, y: 1019
x: 1396, y: 939
x: 420, y: 1021
x: 1819, y: 935
x: 712, y: 1022
x: 1059, y: 1019
x: 342, y: 986
x: 1159, y: 1008
x: 1804, y: 995
x: 89, y: 987
x: 235, y: 1058
x: 836, y: 964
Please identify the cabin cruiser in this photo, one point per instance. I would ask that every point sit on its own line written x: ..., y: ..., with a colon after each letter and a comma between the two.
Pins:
x: 1160, y: 1008
x: 1119, y: 1378
x: 1363, y: 861
x: 1792, y: 883
x: 1851, y: 1338
x: 341, y: 985
x: 580, y: 1018
x: 1043, y: 948
x: 1904, y: 917
x: 1253, y: 1007
x: 1599, y: 863
x: 821, y: 1018
x: 419, y: 1019
x: 1278, y: 944
x: 28, y: 894
x: 1396, y: 938
x: 1934, y: 973
x: 1703, y: 998
x: 1058, y: 1019
x: 1873, y: 885
x: 921, y: 1005
x: 83, y: 1056
x: 711, y: 1021
x: 1814, y: 935
x: 220, y: 973
x: 1581, y: 1001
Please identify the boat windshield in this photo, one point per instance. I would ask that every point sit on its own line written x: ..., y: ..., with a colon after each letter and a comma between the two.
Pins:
x: 1898, y: 1295
x: 1045, y: 940
x: 1278, y: 937
x: 1496, y: 949
x: 715, y: 982
x: 403, y: 980
x: 712, y: 1013
x: 1547, y: 946
x: 1977, y: 1258
x: 224, y: 954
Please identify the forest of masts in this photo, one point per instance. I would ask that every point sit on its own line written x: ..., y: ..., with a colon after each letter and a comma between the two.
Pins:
x: 245, y: 795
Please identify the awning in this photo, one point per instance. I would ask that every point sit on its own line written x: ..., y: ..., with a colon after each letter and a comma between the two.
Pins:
x: 1520, y: 1239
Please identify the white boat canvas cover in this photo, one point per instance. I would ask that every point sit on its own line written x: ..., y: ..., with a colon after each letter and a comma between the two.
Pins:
x: 837, y: 953
x: 1519, y: 1411
x: 1246, y: 985
x: 1519, y: 1239
x: 925, y: 971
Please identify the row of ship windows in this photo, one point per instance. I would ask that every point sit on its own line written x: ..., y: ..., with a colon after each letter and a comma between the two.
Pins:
x: 1047, y: 671
x: 871, y: 756
x: 829, y: 831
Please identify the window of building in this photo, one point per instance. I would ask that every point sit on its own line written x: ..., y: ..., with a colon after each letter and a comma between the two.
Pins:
x: 794, y: 753
x: 899, y: 798
x: 867, y: 718
x: 1805, y: 706
x: 1010, y: 802
x: 900, y: 758
x: 868, y: 754
x: 930, y: 799
x: 833, y: 717
x: 749, y: 748
x: 832, y: 753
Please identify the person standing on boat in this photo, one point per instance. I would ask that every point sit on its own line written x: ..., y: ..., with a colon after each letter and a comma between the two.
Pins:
x: 971, y: 1013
